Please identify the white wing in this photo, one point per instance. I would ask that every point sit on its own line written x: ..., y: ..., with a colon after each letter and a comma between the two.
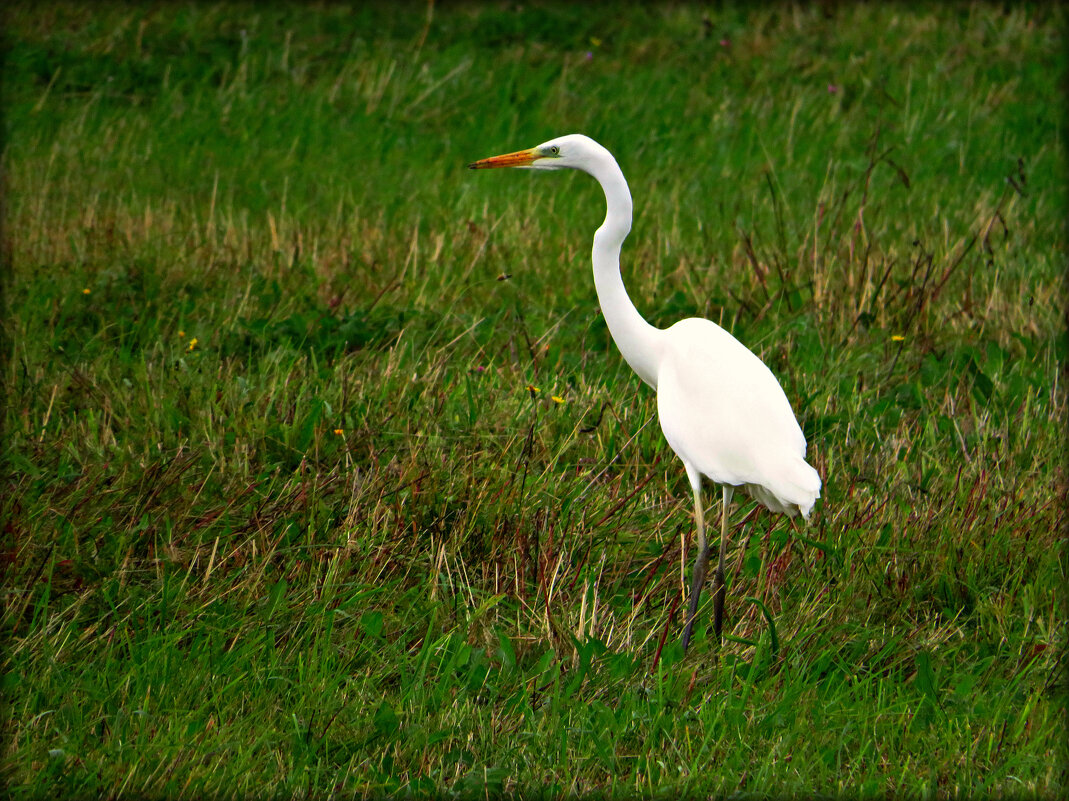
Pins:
x: 724, y: 413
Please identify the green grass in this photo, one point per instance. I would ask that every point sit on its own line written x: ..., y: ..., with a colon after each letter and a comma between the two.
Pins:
x: 285, y: 514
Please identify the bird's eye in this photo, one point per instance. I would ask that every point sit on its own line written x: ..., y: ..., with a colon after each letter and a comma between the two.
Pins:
x: 554, y: 149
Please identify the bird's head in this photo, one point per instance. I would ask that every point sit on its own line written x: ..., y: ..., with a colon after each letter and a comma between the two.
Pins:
x: 573, y: 151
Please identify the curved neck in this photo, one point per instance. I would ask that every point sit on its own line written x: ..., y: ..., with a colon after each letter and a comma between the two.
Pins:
x: 636, y: 339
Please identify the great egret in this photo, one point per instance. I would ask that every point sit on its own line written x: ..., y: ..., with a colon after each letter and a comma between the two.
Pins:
x: 720, y: 408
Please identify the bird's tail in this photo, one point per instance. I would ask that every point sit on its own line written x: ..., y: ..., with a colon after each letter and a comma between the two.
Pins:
x: 806, y: 484
x: 795, y: 490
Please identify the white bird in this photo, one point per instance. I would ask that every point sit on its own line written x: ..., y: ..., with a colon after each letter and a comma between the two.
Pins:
x: 721, y: 409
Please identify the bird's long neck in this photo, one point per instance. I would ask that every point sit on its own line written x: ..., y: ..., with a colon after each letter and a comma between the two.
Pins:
x: 637, y: 340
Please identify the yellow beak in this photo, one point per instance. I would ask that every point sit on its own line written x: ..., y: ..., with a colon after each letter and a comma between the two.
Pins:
x: 521, y: 158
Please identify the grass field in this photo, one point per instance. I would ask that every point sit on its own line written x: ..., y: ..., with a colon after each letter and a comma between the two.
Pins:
x: 322, y: 475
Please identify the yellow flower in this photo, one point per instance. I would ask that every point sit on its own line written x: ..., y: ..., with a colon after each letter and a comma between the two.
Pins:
x: 339, y: 431
x: 897, y: 338
x: 181, y: 334
x: 533, y: 389
x: 557, y: 399
x: 192, y: 343
x: 85, y: 291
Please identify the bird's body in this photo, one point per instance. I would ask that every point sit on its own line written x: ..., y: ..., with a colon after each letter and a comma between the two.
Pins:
x: 721, y: 409
x: 741, y: 431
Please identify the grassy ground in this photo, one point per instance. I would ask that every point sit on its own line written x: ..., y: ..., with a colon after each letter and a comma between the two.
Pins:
x: 322, y: 474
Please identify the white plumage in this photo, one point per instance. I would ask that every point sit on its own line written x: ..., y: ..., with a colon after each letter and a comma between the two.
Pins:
x: 721, y: 409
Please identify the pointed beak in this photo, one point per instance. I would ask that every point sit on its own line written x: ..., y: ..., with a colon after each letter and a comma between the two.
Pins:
x: 521, y: 158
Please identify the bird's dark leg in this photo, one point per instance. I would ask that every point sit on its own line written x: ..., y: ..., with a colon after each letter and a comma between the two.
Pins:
x: 698, y: 573
x: 720, y: 590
